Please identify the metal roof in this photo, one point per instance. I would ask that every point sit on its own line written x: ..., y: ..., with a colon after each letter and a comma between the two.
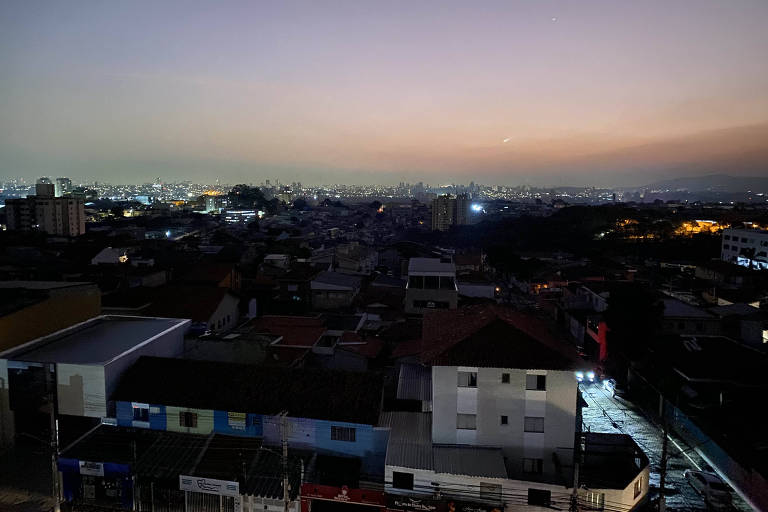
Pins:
x: 410, y: 439
x: 469, y: 460
x: 98, y: 340
x: 430, y: 266
x: 414, y: 382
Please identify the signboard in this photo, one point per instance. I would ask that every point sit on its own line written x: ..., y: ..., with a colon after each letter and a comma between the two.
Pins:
x: 343, y: 494
x: 209, y: 486
x: 91, y: 468
x: 413, y: 504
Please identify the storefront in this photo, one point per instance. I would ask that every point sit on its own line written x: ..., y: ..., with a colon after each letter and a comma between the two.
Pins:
x: 96, y: 483
x: 322, y: 498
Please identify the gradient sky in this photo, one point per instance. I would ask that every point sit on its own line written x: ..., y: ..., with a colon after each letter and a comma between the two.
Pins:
x: 605, y: 92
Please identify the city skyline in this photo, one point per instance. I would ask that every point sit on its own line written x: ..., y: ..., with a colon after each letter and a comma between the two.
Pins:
x: 544, y: 93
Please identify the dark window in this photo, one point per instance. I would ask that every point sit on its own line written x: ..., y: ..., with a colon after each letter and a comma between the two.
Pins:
x: 343, y: 434
x: 402, y: 480
x: 534, y: 424
x: 416, y: 282
x: 188, y: 419
x: 727, y: 237
x: 533, y: 466
x: 638, y: 487
x: 431, y: 282
x: 431, y: 304
x: 539, y: 497
x: 446, y: 283
x: 505, y: 378
x: 505, y: 420
x: 700, y: 326
x: 140, y: 414
x: 536, y: 382
x: 680, y: 326
x: 726, y: 246
x: 467, y: 379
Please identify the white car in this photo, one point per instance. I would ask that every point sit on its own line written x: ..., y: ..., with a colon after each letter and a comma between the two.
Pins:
x: 717, y: 495
x: 610, y: 386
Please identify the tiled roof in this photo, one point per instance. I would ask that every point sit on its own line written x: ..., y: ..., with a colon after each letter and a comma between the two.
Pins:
x: 298, y: 331
x: 492, y: 336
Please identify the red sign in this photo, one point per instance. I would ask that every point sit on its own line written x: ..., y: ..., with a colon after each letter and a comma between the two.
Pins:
x: 342, y: 494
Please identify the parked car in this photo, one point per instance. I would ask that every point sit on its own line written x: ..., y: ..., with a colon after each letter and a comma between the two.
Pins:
x: 612, y: 387
x: 717, y: 495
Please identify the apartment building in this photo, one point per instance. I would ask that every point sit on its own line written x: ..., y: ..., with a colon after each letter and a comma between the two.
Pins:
x: 745, y: 247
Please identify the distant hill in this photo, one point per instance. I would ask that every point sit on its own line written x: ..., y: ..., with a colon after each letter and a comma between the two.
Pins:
x: 713, y: 183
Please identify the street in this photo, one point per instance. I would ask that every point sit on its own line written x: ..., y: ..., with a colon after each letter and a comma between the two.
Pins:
x: 608, y: 414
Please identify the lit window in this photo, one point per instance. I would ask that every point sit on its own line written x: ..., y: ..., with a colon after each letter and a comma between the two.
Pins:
x: 638, y: 488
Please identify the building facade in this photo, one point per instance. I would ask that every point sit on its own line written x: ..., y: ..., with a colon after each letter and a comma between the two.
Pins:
x: 745, y: 247
x: 431, y: 285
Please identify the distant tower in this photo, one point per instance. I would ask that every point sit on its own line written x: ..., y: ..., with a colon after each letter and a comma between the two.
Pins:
x: 44, y: 187
x: 63, y: 186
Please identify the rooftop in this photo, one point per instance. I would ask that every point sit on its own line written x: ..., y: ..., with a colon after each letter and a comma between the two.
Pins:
x: 42, y: 285
x: 678, y: 308
x: 430, y: 266
x: 303, y: 393
x: 98, y: 340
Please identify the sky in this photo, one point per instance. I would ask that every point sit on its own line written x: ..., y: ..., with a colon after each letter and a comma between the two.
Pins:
x: 539, y: 92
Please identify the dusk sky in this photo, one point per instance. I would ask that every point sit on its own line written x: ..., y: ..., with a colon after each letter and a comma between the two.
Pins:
x: 607, y: 92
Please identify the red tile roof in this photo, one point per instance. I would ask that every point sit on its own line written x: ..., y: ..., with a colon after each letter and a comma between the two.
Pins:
x: 297, y: 331
x: 487, y: 335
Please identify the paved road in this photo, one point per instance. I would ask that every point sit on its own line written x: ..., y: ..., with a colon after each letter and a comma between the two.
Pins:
x: 608, y: 414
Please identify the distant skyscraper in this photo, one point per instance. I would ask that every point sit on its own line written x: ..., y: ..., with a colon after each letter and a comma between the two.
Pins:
x: 44, y: 187
x: 448, y: 210
x: 63, y: 186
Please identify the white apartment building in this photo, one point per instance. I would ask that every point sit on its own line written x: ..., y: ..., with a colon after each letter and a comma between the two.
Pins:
x: 431, y: 285
x: 745, y: 247
x: 531, y: 415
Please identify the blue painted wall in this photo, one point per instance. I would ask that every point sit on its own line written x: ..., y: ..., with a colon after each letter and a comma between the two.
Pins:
x: 370, y: 444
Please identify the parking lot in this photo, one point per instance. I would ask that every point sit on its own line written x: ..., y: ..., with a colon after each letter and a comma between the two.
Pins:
x: 608, y: 414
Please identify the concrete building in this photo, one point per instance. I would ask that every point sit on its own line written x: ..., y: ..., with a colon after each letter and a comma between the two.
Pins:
x: 63, y: 216
x: 431, y: 285
x: 745, y: 247
x: 333, y: 290
x: 448, y: 211
x: 63, y: 187
x: 79, y: 367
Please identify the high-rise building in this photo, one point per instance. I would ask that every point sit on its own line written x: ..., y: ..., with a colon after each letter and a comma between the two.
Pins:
x: 448, y: 210
x: 63, y: 186
x: 442, y: 212
x: 63, y: 216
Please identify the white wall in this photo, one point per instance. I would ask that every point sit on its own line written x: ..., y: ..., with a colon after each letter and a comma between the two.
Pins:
x: 81, y: 390
x: 493, y: 399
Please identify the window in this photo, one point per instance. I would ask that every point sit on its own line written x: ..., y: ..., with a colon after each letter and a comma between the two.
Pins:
x: 534, y: 424
x: 536, y: 382
x: 446, y: 283
x: 416, y: 282
x: 505, y: 378
x: 638, y: 487
x: 467, y: 379
x: 140, y: 413
x: 431, y: 282
x: 533, y: 466
x: 539, y: 497
x: 699, y: 326
x: 188, y: 419
x: 726, y: 246
x: 743, y: 240
x: 491, y: 492
x: 594, y: 500
x: 727, y: 237
x: 402, y: 480
x: 466, y: 421
x: 343, y: 434
x: 505, y: 420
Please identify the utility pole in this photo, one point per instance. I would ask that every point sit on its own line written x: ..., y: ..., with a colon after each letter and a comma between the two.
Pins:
x: 663, y: 468
x: 284, y: 440
x: 50, y: 384
x: 574, y: 507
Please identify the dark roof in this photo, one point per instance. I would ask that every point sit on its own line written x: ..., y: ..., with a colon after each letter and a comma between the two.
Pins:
x: 493, y: 336
x: 298, y: 331
x: 198, y: 303
x: 303, y: 393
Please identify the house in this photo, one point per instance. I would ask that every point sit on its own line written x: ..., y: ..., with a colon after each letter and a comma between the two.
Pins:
x: 80, y: 366
x: 327, y: 411
x: 431, y: 285
x: 333, y: 290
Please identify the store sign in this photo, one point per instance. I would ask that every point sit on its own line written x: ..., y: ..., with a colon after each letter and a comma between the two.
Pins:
x: 342, y: 494
x: 91, y: 468
x: 413, y: 504
x: 209, y: 486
